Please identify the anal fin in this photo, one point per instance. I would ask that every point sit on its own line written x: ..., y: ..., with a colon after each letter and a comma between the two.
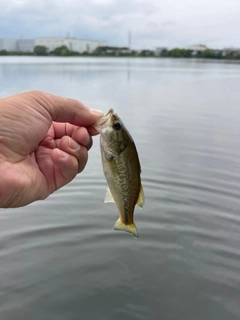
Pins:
x: 141, y: 198
x: 108, y: 196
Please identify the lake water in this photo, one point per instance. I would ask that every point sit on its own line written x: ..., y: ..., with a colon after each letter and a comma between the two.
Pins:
x: 61, y: 259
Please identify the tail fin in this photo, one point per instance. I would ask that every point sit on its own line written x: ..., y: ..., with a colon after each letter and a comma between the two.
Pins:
x: 131, y: 228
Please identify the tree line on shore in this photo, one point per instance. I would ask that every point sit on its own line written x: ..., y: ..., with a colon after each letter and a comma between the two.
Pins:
x: 125, y: 52
x: 208, y: 53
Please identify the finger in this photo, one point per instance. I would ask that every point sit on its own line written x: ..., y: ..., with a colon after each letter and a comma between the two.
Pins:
x: 63, y: 129
x: 92, y: 131
x: 66, y: 167
x: 81, y: 135
x: 75, y: 149
x: 63, y: 109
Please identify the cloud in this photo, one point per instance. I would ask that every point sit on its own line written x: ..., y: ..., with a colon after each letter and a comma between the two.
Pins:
x: 152, y: 22
x: 168, y: 22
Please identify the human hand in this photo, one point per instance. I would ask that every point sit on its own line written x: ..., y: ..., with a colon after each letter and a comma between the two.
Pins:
x: 44, y: 143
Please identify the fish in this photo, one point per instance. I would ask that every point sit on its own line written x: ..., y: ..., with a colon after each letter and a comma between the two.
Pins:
x: 122, y: 170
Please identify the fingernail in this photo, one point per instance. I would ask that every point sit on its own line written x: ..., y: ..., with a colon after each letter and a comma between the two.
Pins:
x: 73, y: 144
x: 97, y: 112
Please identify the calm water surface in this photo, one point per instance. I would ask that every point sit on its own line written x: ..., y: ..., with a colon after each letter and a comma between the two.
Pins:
x: 61, y: 259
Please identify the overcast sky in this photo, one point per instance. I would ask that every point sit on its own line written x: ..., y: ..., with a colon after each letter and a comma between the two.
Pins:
x: 153, y: 23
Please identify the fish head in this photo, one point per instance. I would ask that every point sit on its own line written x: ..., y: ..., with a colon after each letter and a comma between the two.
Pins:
x: 114, y: 137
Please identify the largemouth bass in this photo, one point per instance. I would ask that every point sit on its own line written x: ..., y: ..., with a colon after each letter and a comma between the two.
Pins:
x: 122, y: 170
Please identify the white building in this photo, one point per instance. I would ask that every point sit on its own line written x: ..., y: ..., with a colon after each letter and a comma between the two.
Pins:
x: 25, y: 45
x: 159, y: 50
x: 8, y: 44
x: 197, y: 48
x: 73, y: 44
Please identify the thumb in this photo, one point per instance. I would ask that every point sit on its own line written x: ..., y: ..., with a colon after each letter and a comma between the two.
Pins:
x: 65, y: 169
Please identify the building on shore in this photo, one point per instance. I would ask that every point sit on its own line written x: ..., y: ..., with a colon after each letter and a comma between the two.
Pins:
x: 112, y: 50
x: 230, y: 50
x: 51, y: 43
x: 196, y: 48
x: 25, y: 45
x: 8, y: 44
x: 159, y: 50
x: 73, y: 44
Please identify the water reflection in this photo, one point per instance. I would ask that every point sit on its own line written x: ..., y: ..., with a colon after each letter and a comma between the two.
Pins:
x: 61, y: 259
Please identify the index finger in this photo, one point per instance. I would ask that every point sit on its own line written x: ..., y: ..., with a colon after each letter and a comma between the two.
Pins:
x: 63, y: 109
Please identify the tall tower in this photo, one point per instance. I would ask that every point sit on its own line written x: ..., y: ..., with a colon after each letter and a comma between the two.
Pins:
x: 129, y: 39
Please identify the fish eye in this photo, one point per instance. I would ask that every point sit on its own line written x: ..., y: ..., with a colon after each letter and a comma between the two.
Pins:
x: 116, y: 125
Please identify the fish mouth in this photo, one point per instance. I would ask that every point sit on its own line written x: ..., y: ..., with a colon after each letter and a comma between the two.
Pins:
x: 101, y: 123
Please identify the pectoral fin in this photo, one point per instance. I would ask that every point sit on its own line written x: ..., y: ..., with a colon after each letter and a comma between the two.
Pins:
x: 140, y: 201
x: 108, y: 196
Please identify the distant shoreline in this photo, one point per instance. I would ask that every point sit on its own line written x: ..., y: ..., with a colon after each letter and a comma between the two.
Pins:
x: 200, y: 52
x: 61, y: 48
x: 119, y: 56
x: 110, y: 52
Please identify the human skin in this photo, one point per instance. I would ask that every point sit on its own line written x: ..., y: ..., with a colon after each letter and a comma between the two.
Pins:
x: 44, y: 143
